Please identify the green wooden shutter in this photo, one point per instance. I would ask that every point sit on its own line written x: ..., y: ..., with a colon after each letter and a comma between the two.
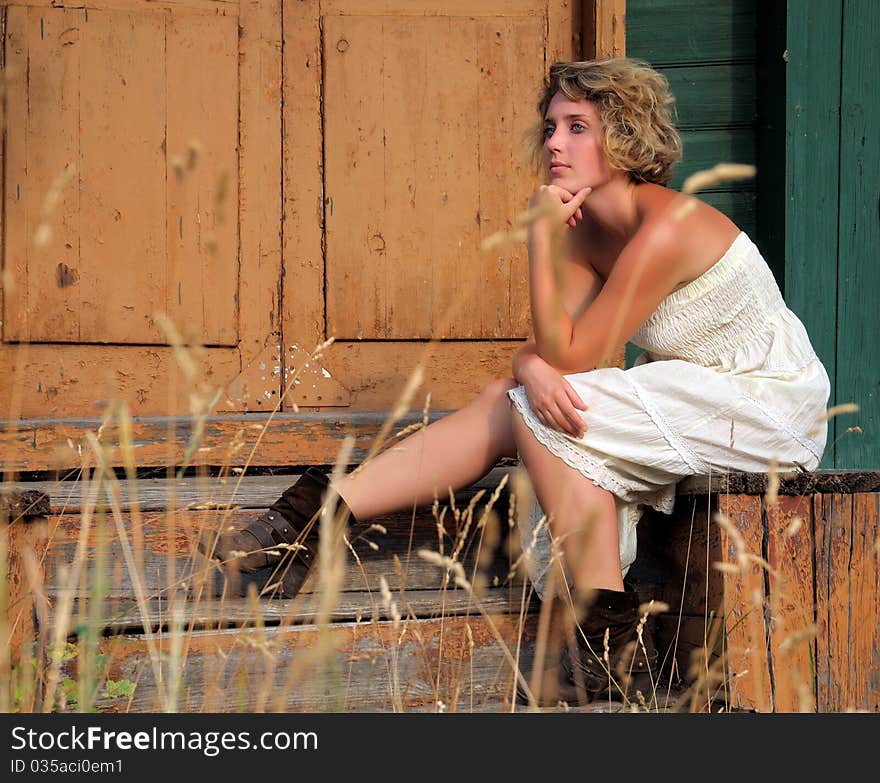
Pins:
x: 707, y: 51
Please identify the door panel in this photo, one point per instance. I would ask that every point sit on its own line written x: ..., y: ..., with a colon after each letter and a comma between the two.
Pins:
x: 115, y: 98
x: 141, y: 183
x: 424, y: 111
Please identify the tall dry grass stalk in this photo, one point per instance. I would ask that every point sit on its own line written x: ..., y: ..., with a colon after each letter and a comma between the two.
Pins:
x: 178, y: 614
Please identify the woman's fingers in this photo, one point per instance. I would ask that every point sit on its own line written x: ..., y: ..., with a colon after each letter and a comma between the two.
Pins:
x: 566, y: 421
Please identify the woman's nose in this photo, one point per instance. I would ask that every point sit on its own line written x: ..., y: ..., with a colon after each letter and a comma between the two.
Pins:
x: 553, y: 142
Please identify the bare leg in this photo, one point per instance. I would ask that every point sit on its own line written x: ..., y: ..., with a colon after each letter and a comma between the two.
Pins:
x: 455, y: 451
x: 581, y: 513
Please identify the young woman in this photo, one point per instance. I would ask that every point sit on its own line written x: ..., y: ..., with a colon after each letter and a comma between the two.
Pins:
x: 728, y: 380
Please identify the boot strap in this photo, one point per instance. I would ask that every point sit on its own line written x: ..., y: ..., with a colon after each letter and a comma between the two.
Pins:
x: 272, y: 529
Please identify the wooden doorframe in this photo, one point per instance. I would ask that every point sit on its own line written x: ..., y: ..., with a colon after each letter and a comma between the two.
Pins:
x: 604, y: 29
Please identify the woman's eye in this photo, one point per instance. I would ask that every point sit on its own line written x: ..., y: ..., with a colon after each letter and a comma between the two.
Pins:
x: 548, y: 131
x: 578, y: 125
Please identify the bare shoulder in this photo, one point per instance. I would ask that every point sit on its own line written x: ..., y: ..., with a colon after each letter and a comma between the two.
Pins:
x: 687, y: 231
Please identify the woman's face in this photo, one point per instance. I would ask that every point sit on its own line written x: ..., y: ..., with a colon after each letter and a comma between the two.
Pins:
x: 572, y: 152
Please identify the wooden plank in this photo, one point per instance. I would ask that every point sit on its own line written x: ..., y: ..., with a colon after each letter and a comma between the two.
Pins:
x: 833, y: 515
x: 372, y: 667
x: 24, y: 595
x: 165, y: 544
x: 202, y: 230
x: 458, y: 8
x: 564, y: 31
x: 44, y: 381
x: 121, y: 227
x: 812, y: 173
x: 863, y: 673
x: 510, y: 56
x: 155, y: 377
x: 260, y: 208
x: 213, y: 7
x: 604, y: 29
x: 739, y: 206
x: 286, y: 439
x: 425, y: 170
x: 124, y: 616
x: 847, y: 581
x: 160, y: 494
x: 354, y: 166
x: 43, y: 58
x: 302, y: 149
x: 677, y: 32
x: 747, y: 657
x: 791, y: 602
x: 800, y: 483
x: 713, y: 95
x: 457, y: 298
x: 705, y: 148
x: 859, y: 231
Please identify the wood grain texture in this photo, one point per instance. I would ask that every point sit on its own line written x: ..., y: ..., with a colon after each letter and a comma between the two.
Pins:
x: 260, y: 216
x: 213, y: 7
x: 25, y: 593
x: 812, y: 159
x: 565, y: 27
x: 833, y: 515
x: 604, y: 25
x: 404, y: 262
x: 122, y: 615
x: 677, y: 32
x: 43, y: 103
x: 368, y: 667
x: 713, y: 95
x: 202, y: 188
x: 858, y: 359
x: 747, y: 657
x: 49, y: 381
x: 454, y: 8
x: 864, y: 675
x: 846, y: 601
x: 165, y: 544
x: 159, y: 494
x: 302, y: 310
x: 792, y: 603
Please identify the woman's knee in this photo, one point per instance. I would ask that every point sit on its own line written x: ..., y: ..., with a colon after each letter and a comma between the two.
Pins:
x: 497, y: 389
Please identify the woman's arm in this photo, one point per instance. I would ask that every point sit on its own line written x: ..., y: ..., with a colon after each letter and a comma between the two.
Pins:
x: 581, y: 284
x: 642, y: 276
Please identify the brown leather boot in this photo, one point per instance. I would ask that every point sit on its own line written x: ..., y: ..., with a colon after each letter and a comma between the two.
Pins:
x: 278, y: 548
x: 628, y: 666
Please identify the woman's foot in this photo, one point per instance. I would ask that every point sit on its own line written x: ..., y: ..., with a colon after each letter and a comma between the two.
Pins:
x: 278, y: 549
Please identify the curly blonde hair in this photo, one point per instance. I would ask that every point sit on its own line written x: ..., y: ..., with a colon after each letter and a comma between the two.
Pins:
x: 635, y: 106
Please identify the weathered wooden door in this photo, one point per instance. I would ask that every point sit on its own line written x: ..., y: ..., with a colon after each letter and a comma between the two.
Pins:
x: 403, y: 129
x: 265, y: 175
x: 141, y: 183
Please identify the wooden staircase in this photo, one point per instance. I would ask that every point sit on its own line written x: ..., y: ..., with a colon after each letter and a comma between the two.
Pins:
x: 111, y: 606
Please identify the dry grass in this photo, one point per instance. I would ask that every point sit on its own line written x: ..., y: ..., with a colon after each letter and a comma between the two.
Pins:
x: 196, y: 651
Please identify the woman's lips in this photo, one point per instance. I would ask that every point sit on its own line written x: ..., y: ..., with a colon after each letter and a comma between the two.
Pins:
x: 558, y: 167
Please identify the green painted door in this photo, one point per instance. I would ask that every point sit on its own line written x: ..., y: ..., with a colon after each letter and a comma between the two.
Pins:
x: 707, y: 50
x: 790, y: 88
x: 832, y: 216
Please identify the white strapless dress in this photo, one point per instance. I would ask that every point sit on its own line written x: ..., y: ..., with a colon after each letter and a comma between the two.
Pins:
x: 728, y: 382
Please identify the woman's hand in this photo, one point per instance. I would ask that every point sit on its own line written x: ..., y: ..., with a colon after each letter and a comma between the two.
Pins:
x: 553, y: 399
x: 566, y: 206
